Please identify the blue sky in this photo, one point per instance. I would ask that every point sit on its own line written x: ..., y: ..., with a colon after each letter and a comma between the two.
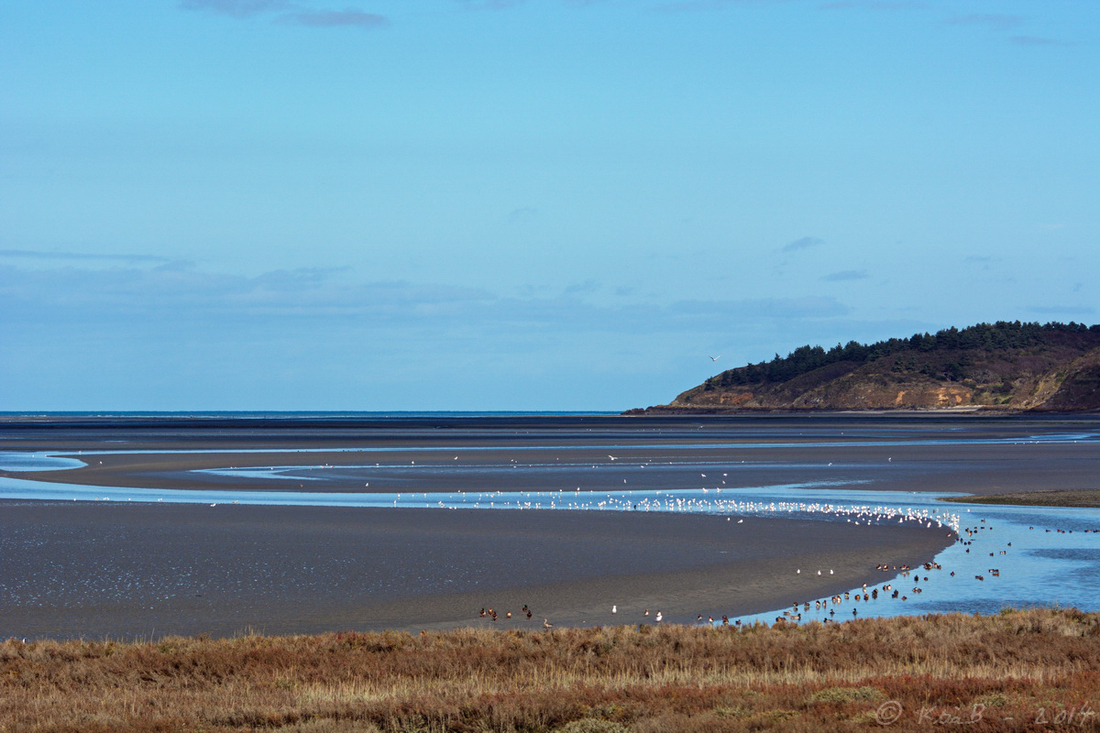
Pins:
x: 524, y: 204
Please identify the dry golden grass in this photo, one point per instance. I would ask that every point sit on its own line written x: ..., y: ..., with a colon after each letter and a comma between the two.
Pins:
x: 1035, y: 669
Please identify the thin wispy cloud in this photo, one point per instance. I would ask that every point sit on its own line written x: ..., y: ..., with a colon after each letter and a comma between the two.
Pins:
x: 985, y: 263
x: 183, y: 292
x: 314, y: 295
x: 287, y: 12
x: 797, y: 307
x: 995, y: 21
x: 582, y: 288
x: 1063, y: 310
x: 690, y: 6
x: 236, y: 8
x: 335, y: 18
x: 1037, y: 41
x: 803, y: 243
x: 845, y: 275
x: 694, y: 5
x: 523, y: 215
x: 295, y: 280
x: 489, y: 4
x: 874, y: 5
x: 76, y: 256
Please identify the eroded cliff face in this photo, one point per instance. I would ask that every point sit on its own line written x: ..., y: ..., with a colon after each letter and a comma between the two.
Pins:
x: 848, y: 397
x: 1007, y: 382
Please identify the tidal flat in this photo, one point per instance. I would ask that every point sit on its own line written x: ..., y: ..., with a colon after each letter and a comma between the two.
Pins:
x: 157, y: 525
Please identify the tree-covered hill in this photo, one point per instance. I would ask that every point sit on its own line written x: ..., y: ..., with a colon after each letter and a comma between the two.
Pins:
x: 1004, y: 365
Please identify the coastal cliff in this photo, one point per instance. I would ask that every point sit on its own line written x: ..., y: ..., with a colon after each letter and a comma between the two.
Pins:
x: 1005, y: 366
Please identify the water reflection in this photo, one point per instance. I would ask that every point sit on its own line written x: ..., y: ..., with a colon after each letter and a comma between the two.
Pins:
x: 1007, y: 557
x: 19, y: 462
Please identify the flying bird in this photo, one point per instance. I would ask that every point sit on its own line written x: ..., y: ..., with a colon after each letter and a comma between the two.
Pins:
x: 714, y: 358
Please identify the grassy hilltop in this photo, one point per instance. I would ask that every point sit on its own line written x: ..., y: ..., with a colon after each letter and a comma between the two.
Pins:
x: 1006, y: 366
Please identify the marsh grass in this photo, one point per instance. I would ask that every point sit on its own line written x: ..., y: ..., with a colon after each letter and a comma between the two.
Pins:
x: 1013, y: 667
x: 1086, y: 498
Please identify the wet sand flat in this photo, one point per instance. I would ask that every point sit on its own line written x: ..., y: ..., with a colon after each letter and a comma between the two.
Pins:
x: 127, y: 569
x: 124, y: 570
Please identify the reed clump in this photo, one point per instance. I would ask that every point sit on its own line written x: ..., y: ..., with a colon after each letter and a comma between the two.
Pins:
x: 1030, y: 669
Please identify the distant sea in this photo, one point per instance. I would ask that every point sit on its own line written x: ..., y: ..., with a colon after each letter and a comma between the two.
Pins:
x: 300, y: 414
